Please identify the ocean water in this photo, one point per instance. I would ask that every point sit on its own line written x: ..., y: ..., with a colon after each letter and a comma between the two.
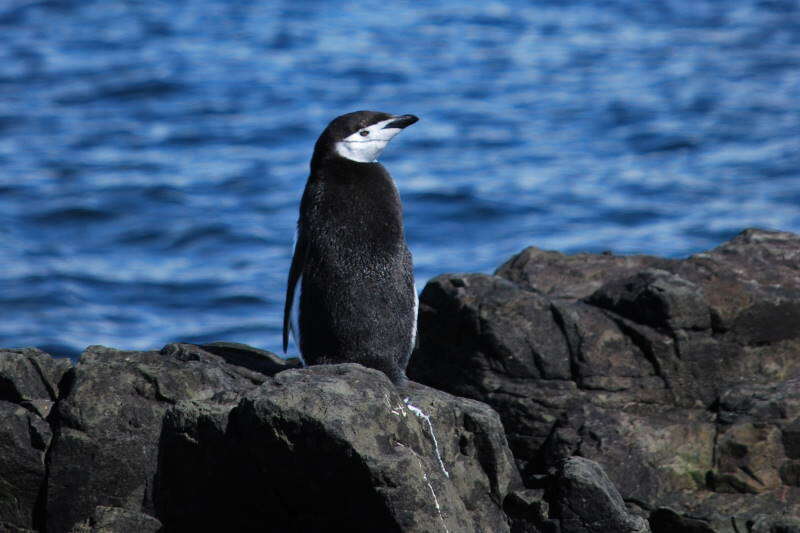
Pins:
x: 152, y: 154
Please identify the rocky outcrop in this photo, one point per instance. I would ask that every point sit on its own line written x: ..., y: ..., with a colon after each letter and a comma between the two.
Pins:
x: 337, y: 448
x: 679, y: 377
x: 107, y: 424
x: 81, y: 443
x: 228, y: 438
x: 634, y: 394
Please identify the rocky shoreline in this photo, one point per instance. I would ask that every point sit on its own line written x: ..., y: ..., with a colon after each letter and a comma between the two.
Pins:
x: 573, y: 394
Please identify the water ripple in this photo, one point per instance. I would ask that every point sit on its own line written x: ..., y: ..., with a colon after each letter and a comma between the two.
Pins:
x: 152, y: 154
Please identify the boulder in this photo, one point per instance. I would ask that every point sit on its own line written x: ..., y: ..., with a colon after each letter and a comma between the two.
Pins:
x: 24, y: 438
x: 113, y: 519
x: 586, y: 501
x: 528, y: 511
x: 31, y: 378
x: 647, y: 453
x: 30, y: 382
x: 338, y: 448
x: 771, y: 524
x: 657, y: 298
x: 676, y: 375
x: 755, y: 450
x: 665, y: 520
x: 202, y: 481
x: 107, y: 424
x: 226, y: 437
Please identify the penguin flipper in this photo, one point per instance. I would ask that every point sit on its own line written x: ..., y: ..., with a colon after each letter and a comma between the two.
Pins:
x: 295, y: 273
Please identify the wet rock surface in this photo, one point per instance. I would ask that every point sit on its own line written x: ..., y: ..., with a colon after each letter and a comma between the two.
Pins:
x: 679, y: 377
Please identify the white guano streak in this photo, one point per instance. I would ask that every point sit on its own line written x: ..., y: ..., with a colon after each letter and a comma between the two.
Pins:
x: 420, y: 414
x: 433, y: 492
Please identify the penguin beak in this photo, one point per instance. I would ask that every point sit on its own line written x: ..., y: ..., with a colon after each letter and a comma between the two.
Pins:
x: 401, y: 121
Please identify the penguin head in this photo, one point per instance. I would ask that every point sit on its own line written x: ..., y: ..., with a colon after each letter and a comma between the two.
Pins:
x: 361, y: 136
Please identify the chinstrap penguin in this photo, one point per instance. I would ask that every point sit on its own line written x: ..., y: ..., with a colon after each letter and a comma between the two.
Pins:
x: 351, y: 274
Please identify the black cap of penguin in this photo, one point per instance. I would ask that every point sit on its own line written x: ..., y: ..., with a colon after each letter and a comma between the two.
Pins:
x: 360, y: 136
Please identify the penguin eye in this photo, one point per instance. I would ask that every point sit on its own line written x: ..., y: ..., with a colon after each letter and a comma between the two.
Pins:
x: 363, y: 133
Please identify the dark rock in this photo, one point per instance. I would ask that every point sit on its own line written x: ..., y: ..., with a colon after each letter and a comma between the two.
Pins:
x: 4, y: 527
x: 31, y: 377
x: 790, y: 473
x: 253, y: 358
x: 656, y: 298
x: 749, y: 284
x: 677, y: 376
x: 573, y: 277
x: 183, y: 440
x: 116, y: 520
x: 108, y: 424
x: 751, y: 452
x: 676, y: 380
x: 528, y: 504
x: 730, y: 512
x: 335, y: 448
x: 771, y: 524
x: 478, y: 346
x: 339, y: 449
x: 527, y: 510
x: 791, y: 439
x: 586, y: 501
x: 203, y: 480
x: 647, y: 454
x: 24, y: 438
x: 499, y: 343
x: 609, y: 354
x: 756, y: 265
x: 29, y: 386
x: 666, y: 520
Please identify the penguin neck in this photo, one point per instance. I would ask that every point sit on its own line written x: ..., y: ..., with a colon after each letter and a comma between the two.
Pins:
x: 331, y: 166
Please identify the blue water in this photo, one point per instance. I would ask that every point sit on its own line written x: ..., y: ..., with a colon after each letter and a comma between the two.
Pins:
x: 152, y: 154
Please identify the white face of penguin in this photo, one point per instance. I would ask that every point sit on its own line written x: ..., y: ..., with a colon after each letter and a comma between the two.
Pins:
x: 365, y: 145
